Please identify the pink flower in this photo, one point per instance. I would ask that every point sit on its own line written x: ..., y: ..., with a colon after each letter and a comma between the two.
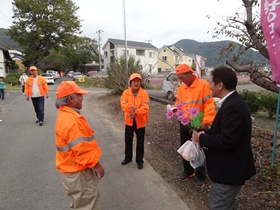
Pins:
x: 185, y: 120
x: 193, y: 111
x: 169, y: 114
x: 179, y: 106
x: 180, y: 114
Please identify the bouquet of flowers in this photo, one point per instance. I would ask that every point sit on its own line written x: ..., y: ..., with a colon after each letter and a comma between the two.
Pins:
x: 191, y: 117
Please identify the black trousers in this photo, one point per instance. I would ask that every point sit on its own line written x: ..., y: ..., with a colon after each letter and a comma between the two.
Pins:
x: 186, y: 135
x: 129, y: 133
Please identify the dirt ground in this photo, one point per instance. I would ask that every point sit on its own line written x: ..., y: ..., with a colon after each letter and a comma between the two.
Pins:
x: 161, y: 144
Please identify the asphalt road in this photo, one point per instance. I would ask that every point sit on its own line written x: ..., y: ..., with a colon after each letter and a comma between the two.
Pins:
x: 30, y: 181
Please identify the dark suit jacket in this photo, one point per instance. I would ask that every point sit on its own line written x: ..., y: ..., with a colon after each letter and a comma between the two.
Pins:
x: 229, y: 157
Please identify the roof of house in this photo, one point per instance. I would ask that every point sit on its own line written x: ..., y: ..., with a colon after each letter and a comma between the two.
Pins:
x: 119, y: 42
x: 6, y: 53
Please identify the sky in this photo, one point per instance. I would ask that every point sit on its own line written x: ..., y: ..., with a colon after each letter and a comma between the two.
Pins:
x: 160, y: 22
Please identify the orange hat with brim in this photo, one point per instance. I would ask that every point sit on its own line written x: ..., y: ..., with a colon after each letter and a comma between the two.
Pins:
x: 33, y: 68
x: 67, y: 88
x: 183, y: 68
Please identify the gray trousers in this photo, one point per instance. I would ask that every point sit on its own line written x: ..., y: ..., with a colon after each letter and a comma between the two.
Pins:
x: 82, y: 189
x: 222, y: 196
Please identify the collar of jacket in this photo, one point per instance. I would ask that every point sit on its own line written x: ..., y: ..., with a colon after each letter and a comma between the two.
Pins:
x: 70, y: 110
x: 193, y: 85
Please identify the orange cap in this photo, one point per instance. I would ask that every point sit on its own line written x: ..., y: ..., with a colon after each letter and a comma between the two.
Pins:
x: 183, y: 68
x: 133, y: 76
x: 67, y: 88
x: 33, y: 68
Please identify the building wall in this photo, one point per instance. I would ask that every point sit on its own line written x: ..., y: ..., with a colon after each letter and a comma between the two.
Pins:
x: 149, y: 64
x: 2, y: 64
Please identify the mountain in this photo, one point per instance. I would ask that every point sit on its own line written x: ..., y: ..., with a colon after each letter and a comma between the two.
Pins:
x: 6, y: 42
x: 211, y: 51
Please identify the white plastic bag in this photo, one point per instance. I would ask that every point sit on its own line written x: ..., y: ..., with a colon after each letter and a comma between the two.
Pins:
x: 188, y: 151
x: 191, y: 151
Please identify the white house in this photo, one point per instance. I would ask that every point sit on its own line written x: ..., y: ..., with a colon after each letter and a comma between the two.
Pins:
x: 143, y: 51
x: 5, y: 62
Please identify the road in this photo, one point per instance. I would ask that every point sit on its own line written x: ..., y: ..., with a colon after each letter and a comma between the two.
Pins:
x: 30, y: 181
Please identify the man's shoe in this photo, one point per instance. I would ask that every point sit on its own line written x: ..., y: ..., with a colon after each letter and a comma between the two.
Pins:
x: 41, y: 123
x: 37, y: 121
x: 125, y: 161
x: 199, y: 183
x: 139, y: 166
x: 184, y: 177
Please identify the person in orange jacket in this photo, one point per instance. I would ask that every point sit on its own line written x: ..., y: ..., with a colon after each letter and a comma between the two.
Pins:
x: 135, y: 105
x: 37, y: 88
x: 77, y: 152
x: 194, y: 92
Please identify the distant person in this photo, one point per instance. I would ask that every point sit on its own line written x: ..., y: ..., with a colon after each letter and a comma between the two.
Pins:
x: 61, y: 74
x: 22, y: 79
x: 77, y: 152
x: 2, y: 88
x: 135, y: 105
x: 194, y: 93
x: 229, y: 156
x: 37, y: 88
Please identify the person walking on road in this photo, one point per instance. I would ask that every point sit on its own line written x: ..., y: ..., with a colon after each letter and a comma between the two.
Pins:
x: 77, y: 152
x: 194, y: 93
x: 229, y: 156
x: 37, y: 88
x: 22, y: 79
x: 2, y: 89
x: 135, y: 105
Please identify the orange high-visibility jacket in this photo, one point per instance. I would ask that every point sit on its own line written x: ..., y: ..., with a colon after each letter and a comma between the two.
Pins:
x: 42, y: 85
x: 198, y: 95
x: 76, y: 146
x: 140, y: 101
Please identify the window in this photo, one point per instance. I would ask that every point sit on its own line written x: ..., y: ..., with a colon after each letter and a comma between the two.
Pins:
x: 151, y: 54
x: 127, y: 52
x: 140, y: 52
x: 105, y: 54
x: 164, y: 58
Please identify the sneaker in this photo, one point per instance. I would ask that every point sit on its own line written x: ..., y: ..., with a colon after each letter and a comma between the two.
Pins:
x: 41, y: 123
x: 140, y: 165
x: 184, y: 177
x: 199, y: 183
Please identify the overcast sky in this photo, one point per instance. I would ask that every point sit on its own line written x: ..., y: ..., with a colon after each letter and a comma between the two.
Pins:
x: 161, y: 22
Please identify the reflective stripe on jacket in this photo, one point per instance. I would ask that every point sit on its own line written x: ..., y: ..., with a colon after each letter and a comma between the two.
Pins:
x: 42, y: 85
x: 198, y: 95
x: 76, y: 146
x: 141, y: 102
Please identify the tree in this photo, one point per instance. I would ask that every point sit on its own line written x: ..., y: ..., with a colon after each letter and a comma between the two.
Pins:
x: 42, y: 25
x: 247, y: 31
x: 73, y: 56
x: 117, y: 75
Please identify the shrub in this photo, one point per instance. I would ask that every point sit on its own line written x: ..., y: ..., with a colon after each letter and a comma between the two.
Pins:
x: 12, y: 79
x: 252, y: 99
x: 117, y: 79
x: 268, y: 101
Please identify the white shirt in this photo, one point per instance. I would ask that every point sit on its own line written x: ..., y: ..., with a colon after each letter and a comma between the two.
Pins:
x: 35, y: 88
x: 223, y: 99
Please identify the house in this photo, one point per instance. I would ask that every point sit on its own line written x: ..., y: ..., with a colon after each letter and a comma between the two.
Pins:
x: 171, y: 56
x: 5, y: 62
x: 18, y: 58
x: 145, y: 52
x: 93, y: 66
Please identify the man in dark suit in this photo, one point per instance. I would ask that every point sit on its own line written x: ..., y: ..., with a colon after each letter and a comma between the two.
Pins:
x: 227, y: 144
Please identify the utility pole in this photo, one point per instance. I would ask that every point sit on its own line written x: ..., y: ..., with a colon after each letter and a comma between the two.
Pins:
x: 126, y: 62
x: 99, y: 44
